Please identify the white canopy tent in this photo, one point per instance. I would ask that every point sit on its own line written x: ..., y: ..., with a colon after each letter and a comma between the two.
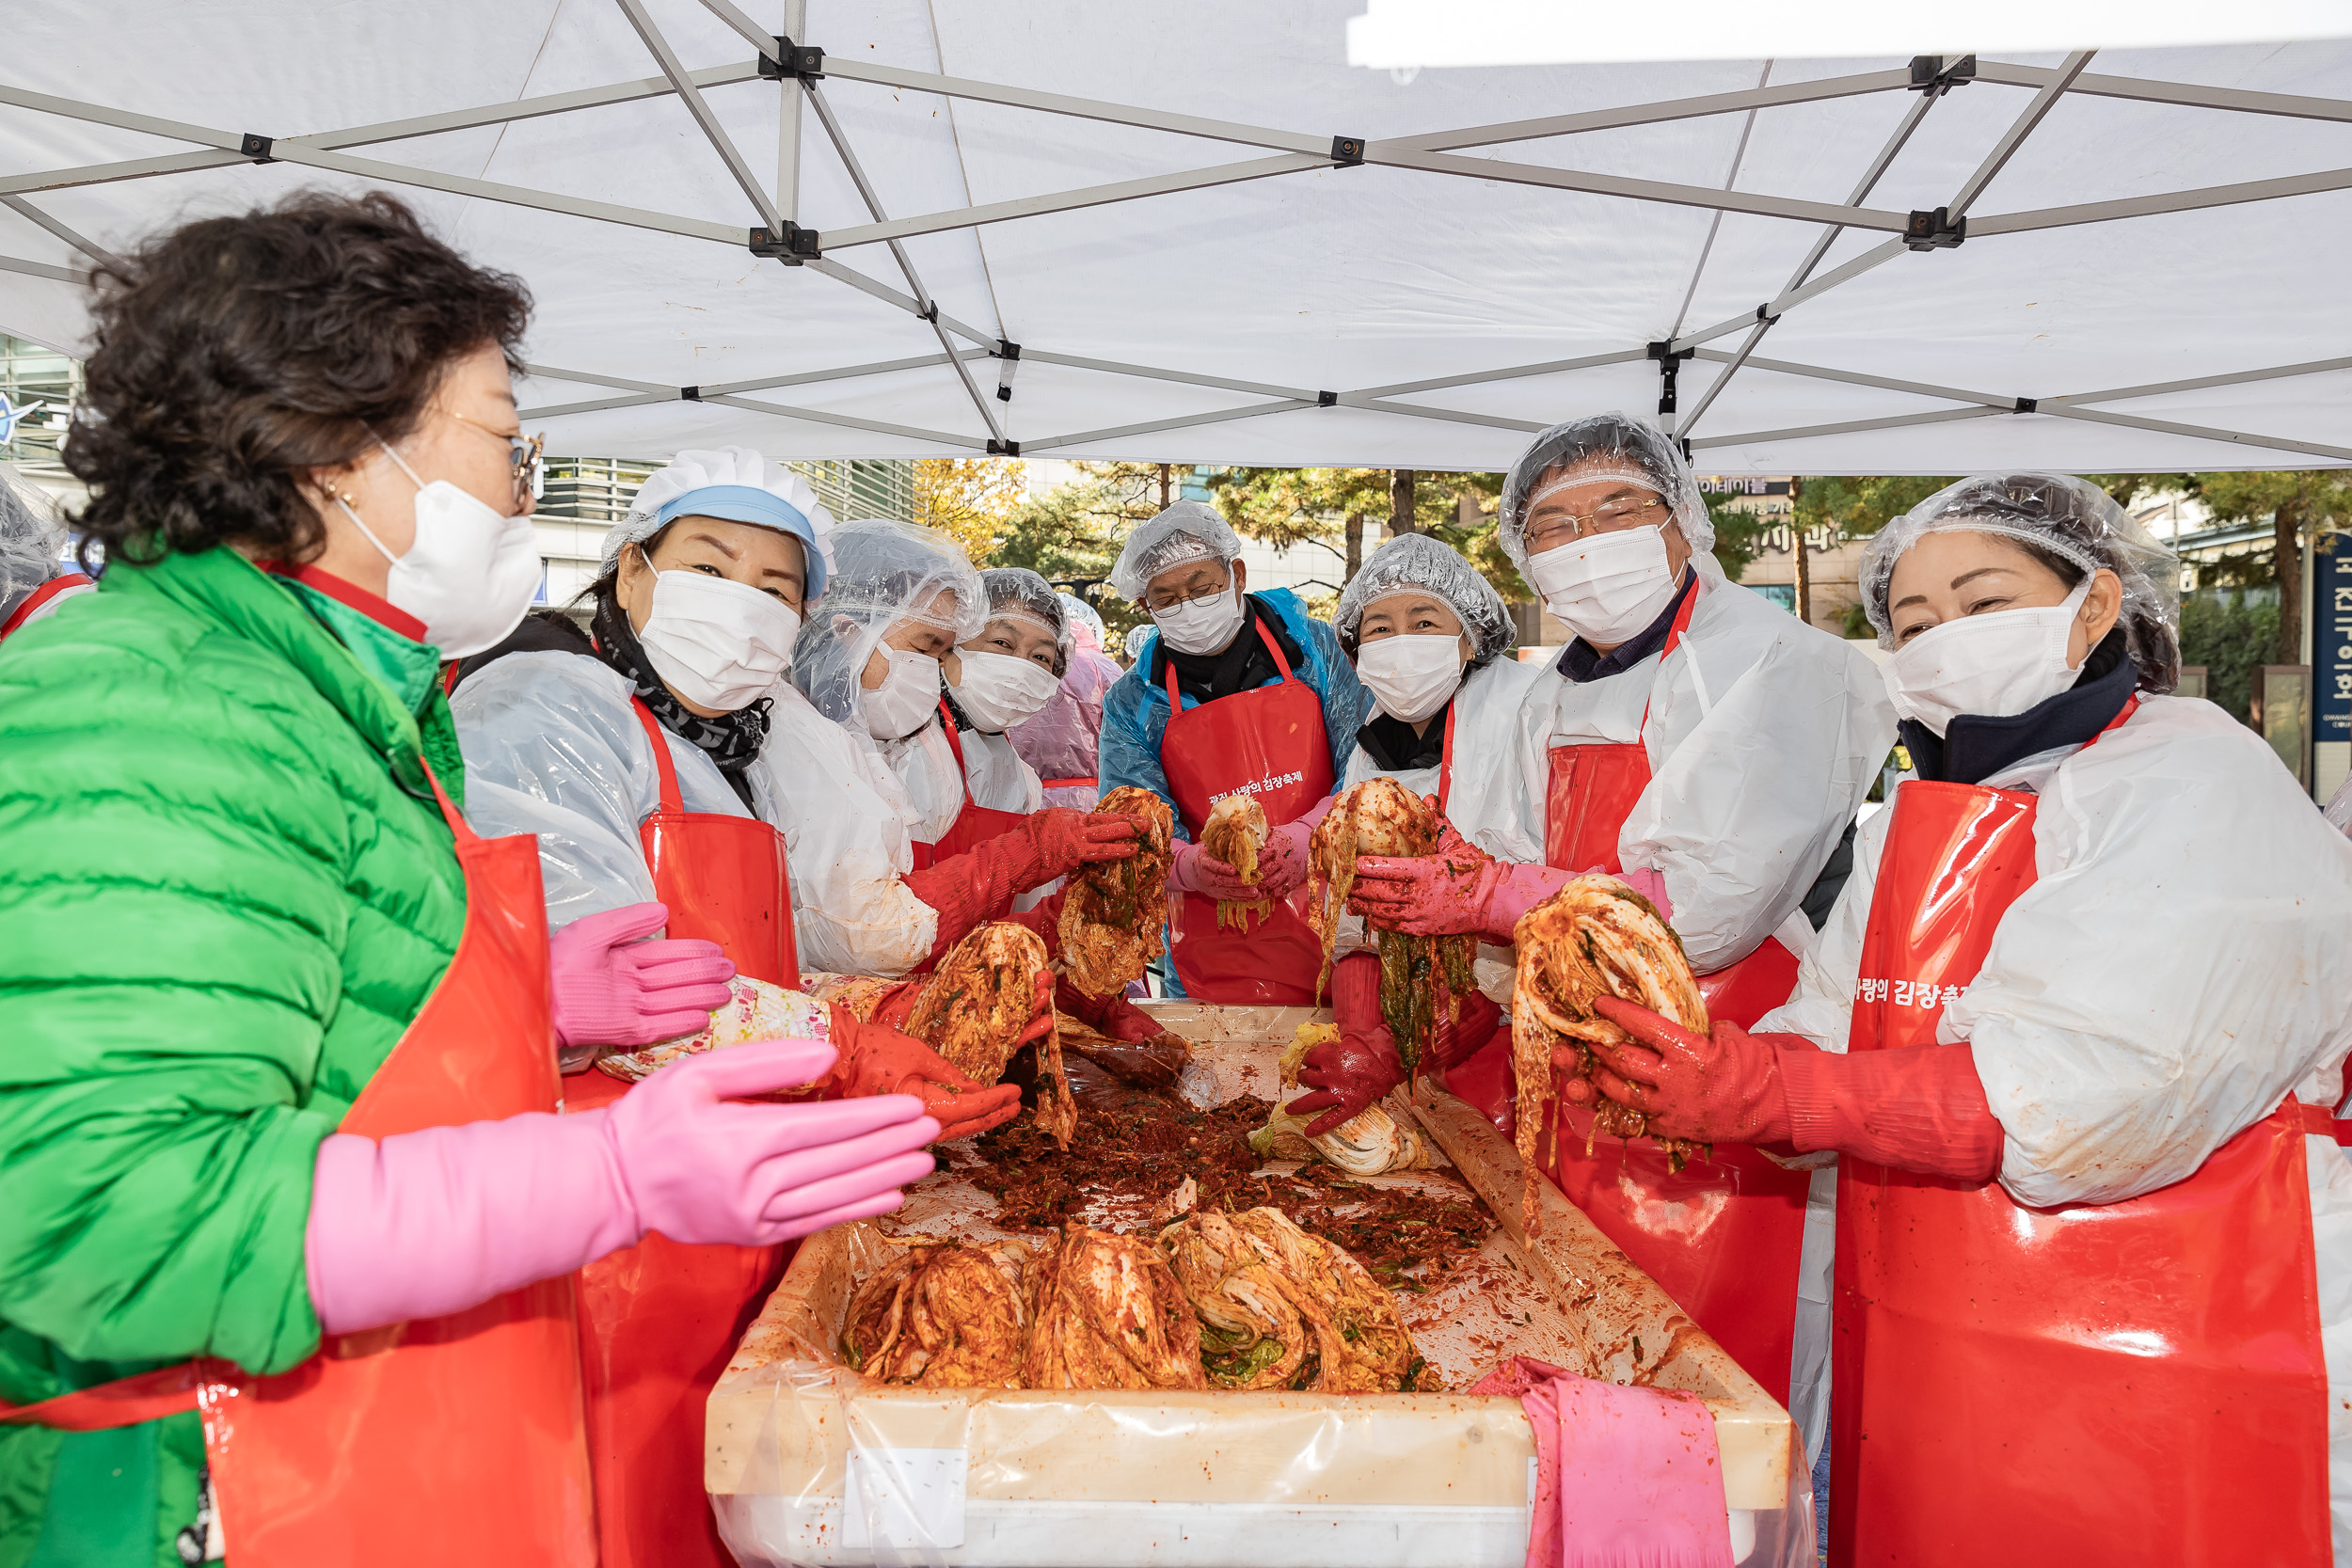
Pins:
x: 1100, y: 228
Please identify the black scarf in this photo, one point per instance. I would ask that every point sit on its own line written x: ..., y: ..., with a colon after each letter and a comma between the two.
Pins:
x: 732, y: 740
x: 1244, y: 666
x: 1393, y: 748
x: 1580, y: 661
x: 1974, y: 745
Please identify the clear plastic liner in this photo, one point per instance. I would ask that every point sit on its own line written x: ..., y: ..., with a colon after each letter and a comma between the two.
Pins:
x: 809, y: 1463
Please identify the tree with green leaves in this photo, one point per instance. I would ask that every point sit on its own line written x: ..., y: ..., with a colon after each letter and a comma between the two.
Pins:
x: 2301, y: 506
x: 1292, y: 506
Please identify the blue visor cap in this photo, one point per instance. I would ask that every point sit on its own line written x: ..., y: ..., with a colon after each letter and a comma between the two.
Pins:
x: 743, y: 503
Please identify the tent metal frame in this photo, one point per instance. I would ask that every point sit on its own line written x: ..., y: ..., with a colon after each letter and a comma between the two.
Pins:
x: 797, y: 71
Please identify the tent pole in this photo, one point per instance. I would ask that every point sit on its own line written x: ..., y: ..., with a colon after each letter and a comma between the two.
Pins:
x: 789, y: 119
x: 819, y: 416
x: 127, y: 168
x: 2284, y: 104
x: 2003, y: 151
x: 43, y: 269
x: 2166, y: 202
x: 2153, y: 389
x: 2206, y: 433
x: 90, y: 248
x: 928, y: 311
x: 1151, y: 427
x: 714, y: 133
x: 1888, y: 422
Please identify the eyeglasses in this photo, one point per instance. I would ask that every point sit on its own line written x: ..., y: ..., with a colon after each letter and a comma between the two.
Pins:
x: 1606, y: 519
x: 523, y: 454
x: 1209, y: 592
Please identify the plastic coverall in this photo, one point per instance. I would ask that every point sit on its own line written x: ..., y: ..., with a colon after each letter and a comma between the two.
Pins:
x: 554, y: 747
x: 1764, y: 735
x: 1064, y: 740
x: 1135, y: 714
x: 926, y: 765
x: 2178, y: 967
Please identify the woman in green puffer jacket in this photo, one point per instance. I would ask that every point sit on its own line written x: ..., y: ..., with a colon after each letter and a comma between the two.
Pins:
x: 227, y: 889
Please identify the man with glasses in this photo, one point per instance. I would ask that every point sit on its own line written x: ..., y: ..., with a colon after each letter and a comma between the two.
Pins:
x: 1711, y: 751
x: 1234, y: 694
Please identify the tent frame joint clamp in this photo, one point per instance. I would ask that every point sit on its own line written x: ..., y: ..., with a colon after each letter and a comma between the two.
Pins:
x: 793, y: 62
x: 1003, y: 448
x: 256, y: 148
x: 1935, y: 230
x: 1327, y: 399
x: 2028, y: 406
x: 795, y: 246
x: 1348, y: 152
x: 1937, y: 74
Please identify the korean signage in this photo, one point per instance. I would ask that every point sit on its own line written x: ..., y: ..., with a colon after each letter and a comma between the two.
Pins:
x: 2331, y: 635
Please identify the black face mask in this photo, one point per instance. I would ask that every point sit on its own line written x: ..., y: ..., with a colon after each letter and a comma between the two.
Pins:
x: 732, y: 740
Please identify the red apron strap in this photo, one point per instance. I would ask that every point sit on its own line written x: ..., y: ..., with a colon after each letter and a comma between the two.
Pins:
x: 1175, y: 703
x: 448, y: 678
x: 1674, y: 640
x: 1445, y: 762
x: 668, y: 769
x: 125, y: 1402
x: 1276, y: 649
x: 1066, y: 784
x: 963, y: 774
x: 449, y: 814
x: 62, y: 583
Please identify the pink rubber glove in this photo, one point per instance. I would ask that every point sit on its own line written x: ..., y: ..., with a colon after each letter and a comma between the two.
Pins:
x: 613, y: 986
x: 1433, y: 895
x: 1652, y: 886
x: 1283, y: 863
x: 1351, y: 1073
x: 424, y: 1224
x: 1195, y: 870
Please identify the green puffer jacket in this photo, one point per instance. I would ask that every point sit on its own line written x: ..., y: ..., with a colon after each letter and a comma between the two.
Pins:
x: 225, y: 889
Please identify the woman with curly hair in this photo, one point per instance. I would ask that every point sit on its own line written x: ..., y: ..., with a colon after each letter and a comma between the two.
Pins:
x: 276, y: 1061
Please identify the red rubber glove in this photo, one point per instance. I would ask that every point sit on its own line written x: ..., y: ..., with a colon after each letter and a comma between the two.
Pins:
x: 1722, y: 1087
x: 1921, y: 1108
x: 1113, y: 1017
x: 876, y: 1059
x: 1351, y: 1074
x: 613, y: 985
x: 1065, y: 839
x: 1457, y: 1039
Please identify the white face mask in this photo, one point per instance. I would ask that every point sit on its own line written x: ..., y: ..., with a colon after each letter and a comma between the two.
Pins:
x: 906, y: 698
x: 1413, y: 675
x: 999, y: 690
x: 1607, y: 587
x: 469, y: 574
x: 1203, y: 625
x: 1995, y: 665
x: 717, y: 642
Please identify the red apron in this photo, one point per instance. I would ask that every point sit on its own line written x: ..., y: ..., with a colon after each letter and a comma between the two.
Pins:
x: 451, y: 1441
x: 974, y: 825
x: 724, y: 878
x: 660, y: 1320
x: 1269, y: 742
x: 1723, y: 1237
x: 2138, y: 1382
x: 41, y: 599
